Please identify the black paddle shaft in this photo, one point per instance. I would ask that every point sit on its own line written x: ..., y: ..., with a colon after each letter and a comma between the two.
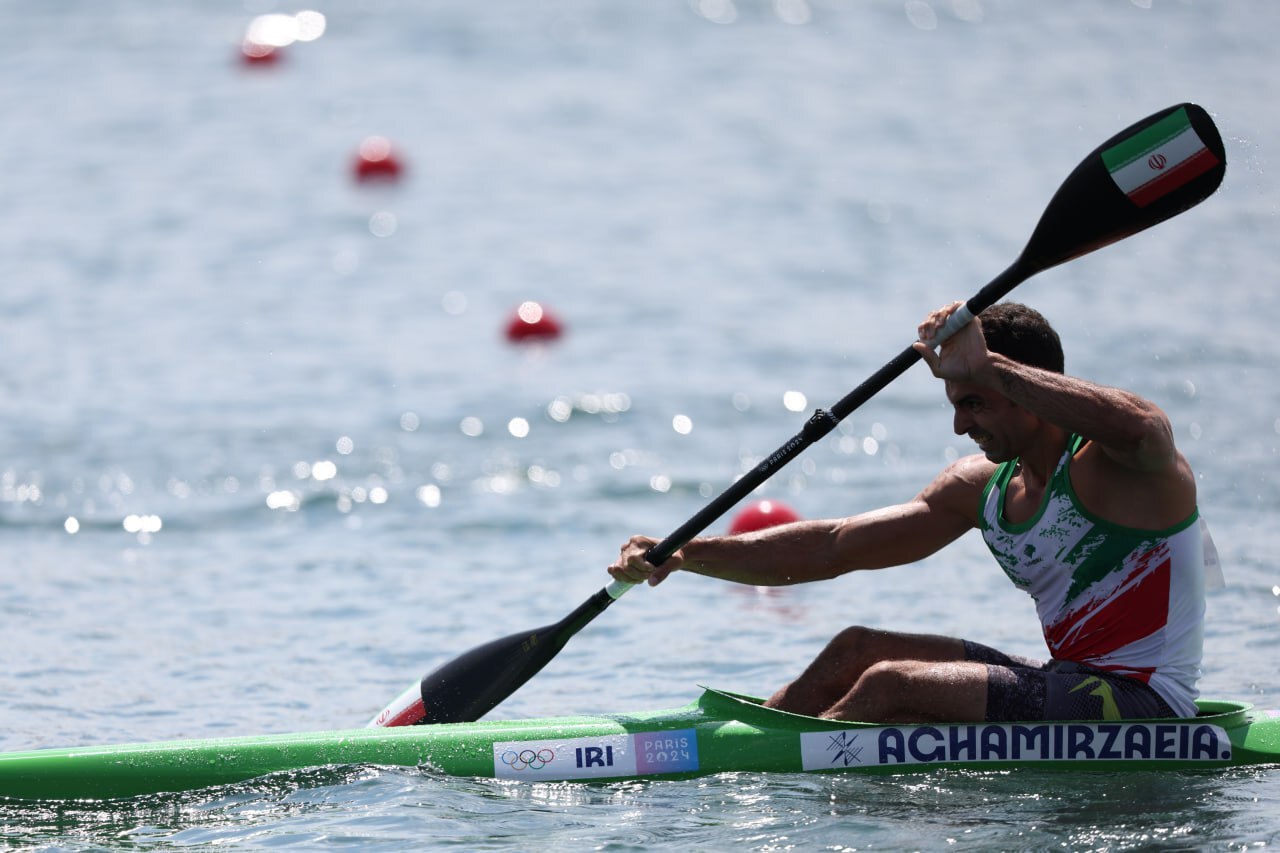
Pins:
x: 822, y: 422
x: 1095, y: 206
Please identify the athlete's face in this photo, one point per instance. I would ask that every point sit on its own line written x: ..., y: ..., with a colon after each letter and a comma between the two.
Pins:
x: 992, y: 420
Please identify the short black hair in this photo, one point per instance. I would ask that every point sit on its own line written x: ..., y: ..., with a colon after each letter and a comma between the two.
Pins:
x: 1022, y: 334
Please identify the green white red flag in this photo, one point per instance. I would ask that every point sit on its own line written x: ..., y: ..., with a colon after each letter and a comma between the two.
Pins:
x: 1159, y: 159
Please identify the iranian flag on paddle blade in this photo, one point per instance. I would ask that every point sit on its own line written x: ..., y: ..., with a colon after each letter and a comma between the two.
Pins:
x: 1159, y: 159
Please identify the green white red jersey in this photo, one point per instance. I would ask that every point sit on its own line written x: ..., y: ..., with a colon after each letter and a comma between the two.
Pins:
x: 1119, y: 599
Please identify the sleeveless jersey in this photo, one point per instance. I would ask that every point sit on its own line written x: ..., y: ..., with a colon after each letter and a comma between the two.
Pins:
x: 1119, y: 599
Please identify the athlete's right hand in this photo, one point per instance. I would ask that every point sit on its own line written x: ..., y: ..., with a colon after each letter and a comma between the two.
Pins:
x: 961, y: 358
x: 632, y: 567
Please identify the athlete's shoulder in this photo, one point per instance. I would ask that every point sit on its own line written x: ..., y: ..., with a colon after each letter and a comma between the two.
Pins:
x: 959, y: 486
x: 969, y: 472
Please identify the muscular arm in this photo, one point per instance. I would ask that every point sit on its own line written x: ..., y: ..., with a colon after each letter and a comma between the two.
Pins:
x: 1129, y: 473
x: 814, y: 550
x: 1131, y: 430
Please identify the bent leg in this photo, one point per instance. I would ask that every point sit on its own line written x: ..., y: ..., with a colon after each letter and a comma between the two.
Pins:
x: 838, y: 669
x: 911, y: 691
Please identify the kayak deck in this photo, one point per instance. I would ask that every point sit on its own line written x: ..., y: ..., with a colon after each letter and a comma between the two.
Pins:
x: 718, y: 732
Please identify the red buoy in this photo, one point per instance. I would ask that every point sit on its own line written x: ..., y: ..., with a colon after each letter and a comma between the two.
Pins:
x: 761, y: 515
x: 268, y: 35
x: 376, y: 161
x: 532, y: 322
x: 257, y: 53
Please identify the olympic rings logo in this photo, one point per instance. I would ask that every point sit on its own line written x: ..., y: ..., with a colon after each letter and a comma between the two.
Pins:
x: 528, y: 759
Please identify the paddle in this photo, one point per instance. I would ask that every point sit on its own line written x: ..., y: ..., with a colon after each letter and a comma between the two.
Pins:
x: 1147, y: 173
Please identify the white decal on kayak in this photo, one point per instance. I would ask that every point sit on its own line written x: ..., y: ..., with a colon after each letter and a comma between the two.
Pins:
x: 601, y: 757
x: 575, y: 758
x: 887, y: 746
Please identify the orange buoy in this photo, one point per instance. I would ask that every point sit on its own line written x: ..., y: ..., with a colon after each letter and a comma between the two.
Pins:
x: 762, y: 514
x: 532, y: 322
x: 376, y: 161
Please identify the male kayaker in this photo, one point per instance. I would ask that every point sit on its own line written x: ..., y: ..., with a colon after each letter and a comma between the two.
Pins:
x: 1084, y: 501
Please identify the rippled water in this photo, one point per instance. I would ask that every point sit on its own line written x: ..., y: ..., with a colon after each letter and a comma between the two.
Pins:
x: 269, y: 458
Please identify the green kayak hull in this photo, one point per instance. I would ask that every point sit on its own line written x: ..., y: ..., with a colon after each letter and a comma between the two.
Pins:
x: 719, y: 732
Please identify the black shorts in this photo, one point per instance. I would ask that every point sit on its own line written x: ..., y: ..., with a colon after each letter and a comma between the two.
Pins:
x: 1023, y: 689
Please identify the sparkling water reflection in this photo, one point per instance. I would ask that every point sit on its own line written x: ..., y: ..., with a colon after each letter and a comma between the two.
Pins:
x: 270, y: 456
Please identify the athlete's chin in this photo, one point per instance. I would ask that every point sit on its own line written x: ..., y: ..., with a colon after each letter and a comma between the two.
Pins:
x: 995, y: 454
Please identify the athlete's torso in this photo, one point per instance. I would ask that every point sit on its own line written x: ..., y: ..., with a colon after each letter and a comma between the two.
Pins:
x: 1124, y: 600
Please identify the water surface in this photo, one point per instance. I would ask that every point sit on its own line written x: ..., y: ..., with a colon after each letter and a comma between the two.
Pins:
x: 302, y: 466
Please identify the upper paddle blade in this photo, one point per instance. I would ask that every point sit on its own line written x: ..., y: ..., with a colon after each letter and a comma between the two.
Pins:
x: 1150, y: 171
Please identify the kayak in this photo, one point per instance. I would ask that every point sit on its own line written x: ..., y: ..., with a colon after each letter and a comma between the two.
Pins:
x: 718, y: 732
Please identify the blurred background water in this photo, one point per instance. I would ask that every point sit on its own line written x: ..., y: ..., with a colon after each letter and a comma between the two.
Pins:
x: 268, y: 456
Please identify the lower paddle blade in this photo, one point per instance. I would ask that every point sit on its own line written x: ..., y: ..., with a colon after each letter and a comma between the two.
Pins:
x: 1155, y: 169
x: 469, y: 686
x: 472, y: 684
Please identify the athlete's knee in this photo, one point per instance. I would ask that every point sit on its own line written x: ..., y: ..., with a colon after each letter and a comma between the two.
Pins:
x: 887, y: 678
x: 881, y: 693
x: 917, y: 691
x: 855, y: 642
